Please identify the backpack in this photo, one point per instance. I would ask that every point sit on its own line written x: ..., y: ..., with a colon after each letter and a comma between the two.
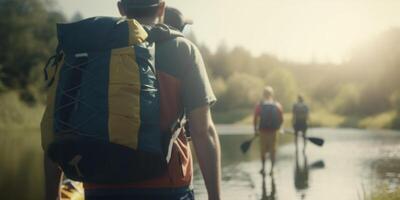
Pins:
x: 102, y: 119
x: 270, y: 117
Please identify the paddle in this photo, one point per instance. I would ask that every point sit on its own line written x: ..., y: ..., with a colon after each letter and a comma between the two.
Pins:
x: 245, y: 146
x: 315, y: 140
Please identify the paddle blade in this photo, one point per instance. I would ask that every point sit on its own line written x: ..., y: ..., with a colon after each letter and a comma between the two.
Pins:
x: 318, y: 165
x: 316, y: 141
x: 245, y: 146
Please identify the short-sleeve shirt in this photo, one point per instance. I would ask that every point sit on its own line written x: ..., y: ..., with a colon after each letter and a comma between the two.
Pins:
x: 300, y: 112
x: 184, y: 86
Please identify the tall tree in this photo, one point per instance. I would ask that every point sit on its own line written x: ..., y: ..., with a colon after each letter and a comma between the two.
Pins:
x: 28, y: 37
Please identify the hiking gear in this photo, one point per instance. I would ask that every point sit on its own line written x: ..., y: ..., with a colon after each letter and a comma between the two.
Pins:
x: 270, y: 116
x: 183, y: 85
x: 102, y: 120
x: 245, y: 146
x: 316, y: 141
x: 174, y: 18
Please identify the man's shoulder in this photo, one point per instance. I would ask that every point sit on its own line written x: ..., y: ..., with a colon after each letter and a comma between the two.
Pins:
x: 177, y: 55
x: 179, y: 45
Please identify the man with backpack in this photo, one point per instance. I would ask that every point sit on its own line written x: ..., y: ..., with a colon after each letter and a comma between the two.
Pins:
x: 268, y: 118
x: 124, y: 136
x: 300, y: 119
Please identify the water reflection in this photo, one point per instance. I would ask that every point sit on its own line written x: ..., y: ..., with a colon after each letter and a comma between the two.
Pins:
x: 374, y: 162
x: 302, y: 168
x: 272, y: 194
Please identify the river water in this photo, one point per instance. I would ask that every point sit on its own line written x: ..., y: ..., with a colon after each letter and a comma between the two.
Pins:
x: 350, y: 166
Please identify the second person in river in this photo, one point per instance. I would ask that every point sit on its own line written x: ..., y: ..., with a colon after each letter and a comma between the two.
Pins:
x: 268, y: 118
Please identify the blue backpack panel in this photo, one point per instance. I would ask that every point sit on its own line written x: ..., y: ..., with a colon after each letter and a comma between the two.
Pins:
x: 270, y: 117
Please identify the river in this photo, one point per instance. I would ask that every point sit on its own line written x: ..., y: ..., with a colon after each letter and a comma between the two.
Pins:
x: 350, y: 166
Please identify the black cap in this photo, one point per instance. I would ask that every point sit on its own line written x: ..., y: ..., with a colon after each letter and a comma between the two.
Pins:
x: 140, y: 3
x: 173, y: 17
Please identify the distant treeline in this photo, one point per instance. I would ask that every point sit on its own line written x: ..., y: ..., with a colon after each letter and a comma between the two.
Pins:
x: 366, y: 84
x: 28, y: 38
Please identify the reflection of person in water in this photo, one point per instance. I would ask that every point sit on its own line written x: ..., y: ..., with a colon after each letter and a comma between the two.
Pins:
x: 301, y: 171
x: 272, y: 194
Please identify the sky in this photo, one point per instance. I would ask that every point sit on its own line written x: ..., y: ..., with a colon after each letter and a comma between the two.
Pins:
x: 298, y: 30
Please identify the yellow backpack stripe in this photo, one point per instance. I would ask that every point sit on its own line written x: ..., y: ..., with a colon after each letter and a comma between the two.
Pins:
x: 124, y: 98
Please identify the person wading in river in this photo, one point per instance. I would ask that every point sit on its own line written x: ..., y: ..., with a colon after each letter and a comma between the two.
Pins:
x: 268, y: 118
x: 300, y: 119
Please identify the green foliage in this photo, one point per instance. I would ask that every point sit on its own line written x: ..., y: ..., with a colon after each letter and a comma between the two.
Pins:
x: 238, y: 78
x: 347, y: 99
x: 219, y: 86
x: 364, y: 86
x: 243, y: 91
x: 27, y: 32
x: 385, y: 194
x: 284, y: 85
x: 395, y: 100
x: 231, y: 115
x: 379, y: 121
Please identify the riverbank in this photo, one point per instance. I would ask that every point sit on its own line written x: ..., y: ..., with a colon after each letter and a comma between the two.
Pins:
x: 17, y: 115
x: 319, y: 118
x: 385, y: 194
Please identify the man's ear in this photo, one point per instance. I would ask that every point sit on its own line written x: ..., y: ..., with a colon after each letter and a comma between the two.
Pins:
x: 121, y: 9
x: 161, y: 12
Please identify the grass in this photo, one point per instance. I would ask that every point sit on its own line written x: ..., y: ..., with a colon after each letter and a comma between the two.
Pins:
x: 385, y: 194
x: 379, y: 121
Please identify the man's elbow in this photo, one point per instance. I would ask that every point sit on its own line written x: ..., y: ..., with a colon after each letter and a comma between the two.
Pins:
x: 205, y: 132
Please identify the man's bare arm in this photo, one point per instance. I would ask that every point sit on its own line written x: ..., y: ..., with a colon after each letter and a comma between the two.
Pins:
x: 206, y: 144
x: 52, y: 179
x: 255, y: 123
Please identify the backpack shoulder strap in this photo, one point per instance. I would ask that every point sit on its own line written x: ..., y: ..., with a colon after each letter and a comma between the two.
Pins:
x: 161, y: 32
